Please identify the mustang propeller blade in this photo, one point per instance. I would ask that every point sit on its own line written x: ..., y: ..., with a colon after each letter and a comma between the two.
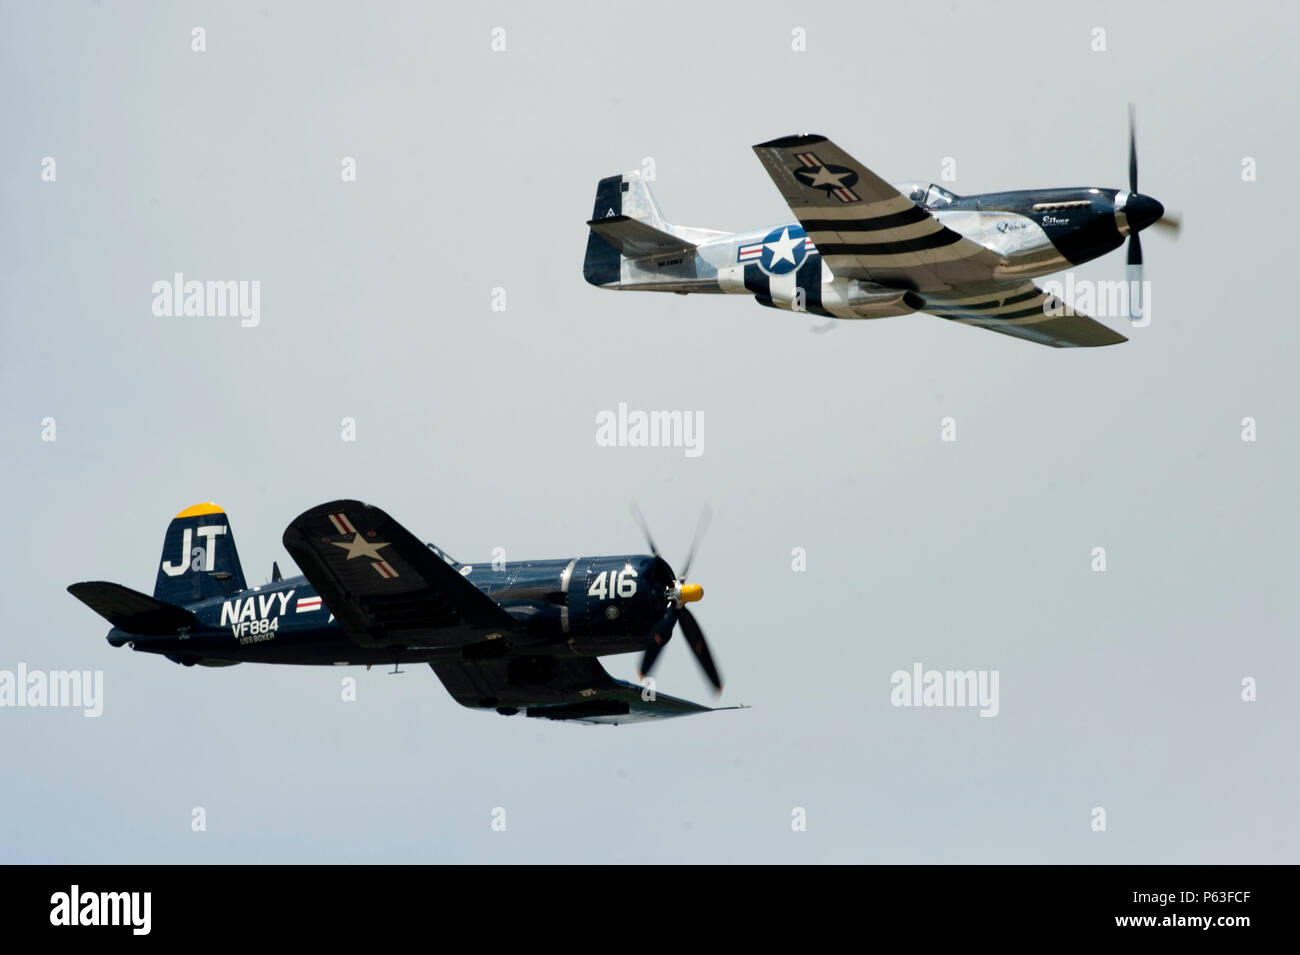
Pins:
x: 1134, y: 243
x: 1171, y: 222
x: 1142, y: 211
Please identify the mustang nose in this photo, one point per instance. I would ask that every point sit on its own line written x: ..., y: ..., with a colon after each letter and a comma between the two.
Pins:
x: 1141, y: 211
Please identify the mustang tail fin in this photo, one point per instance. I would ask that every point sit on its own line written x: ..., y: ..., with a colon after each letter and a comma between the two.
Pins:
x: 628, y: 195
x: 626, y: 222
x: 199, y: 559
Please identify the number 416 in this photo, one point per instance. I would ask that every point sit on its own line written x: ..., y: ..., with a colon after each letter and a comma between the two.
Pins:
x: 620, y: 583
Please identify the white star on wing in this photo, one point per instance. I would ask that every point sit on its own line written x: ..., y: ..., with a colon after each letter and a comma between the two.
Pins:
x: 360, y: 547
x: 783, y: 248
x: 825, y: 177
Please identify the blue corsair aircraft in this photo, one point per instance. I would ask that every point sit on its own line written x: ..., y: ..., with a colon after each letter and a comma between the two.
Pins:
x: 523, y: 638
x: 862, y: 248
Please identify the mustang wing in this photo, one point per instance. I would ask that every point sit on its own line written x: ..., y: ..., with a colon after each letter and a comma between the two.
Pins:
x: 1022, y: 310
x: 862, y: 226
x: 556, y: 688
x: 383, y: 585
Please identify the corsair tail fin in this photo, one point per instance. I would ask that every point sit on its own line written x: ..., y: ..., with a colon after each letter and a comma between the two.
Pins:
x: 199, y: 559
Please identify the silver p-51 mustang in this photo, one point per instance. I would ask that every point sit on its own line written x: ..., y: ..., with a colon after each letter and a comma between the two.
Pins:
x: 863, y: 248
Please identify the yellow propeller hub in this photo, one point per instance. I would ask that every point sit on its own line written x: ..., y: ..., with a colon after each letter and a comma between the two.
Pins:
x: 692, y: 593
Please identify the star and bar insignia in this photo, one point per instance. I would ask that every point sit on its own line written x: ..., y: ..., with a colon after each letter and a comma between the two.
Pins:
x: 833, y: 180
x: 360, y: 547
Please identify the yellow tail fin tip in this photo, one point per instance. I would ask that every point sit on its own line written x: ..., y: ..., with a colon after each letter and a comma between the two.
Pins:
x: 198, y: 510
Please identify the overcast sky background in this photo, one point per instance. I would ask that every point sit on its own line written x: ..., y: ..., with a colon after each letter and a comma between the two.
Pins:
x: 476, y: 429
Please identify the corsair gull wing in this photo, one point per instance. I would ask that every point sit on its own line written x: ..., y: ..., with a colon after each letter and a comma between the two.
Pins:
x: 383, y: 585
x: 557, y: 688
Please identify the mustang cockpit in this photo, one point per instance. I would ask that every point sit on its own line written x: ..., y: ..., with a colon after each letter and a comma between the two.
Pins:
x: 926, y: 196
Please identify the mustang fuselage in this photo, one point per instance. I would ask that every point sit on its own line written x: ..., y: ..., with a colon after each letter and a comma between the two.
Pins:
x: 1032, y: 232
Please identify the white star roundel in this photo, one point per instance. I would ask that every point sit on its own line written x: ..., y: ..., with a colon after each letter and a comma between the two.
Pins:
x: 784, y: 250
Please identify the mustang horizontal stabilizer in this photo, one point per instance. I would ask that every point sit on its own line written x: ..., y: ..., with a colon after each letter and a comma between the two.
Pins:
x: 636, y: 240
x: 383, y: 585
x: 1021, y: 310
x: 863, y: 226
x: 557, y: 688
x: 131, y: 610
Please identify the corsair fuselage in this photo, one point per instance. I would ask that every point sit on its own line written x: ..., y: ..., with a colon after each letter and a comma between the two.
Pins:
x: 589, y: 606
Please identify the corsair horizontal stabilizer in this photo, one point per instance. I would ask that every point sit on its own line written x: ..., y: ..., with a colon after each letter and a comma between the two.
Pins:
x: 132, y: 611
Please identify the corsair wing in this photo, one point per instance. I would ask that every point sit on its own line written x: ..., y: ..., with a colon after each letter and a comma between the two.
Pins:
x: 1021, y: 310
x: 556, y: 688
x: 383, y: 585
x: 865, y: 228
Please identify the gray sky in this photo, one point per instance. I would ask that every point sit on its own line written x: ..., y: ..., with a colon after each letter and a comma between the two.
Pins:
x: 476, y: 170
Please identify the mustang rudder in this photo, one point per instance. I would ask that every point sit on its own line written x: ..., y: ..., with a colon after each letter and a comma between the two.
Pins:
x: 638, y: 227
